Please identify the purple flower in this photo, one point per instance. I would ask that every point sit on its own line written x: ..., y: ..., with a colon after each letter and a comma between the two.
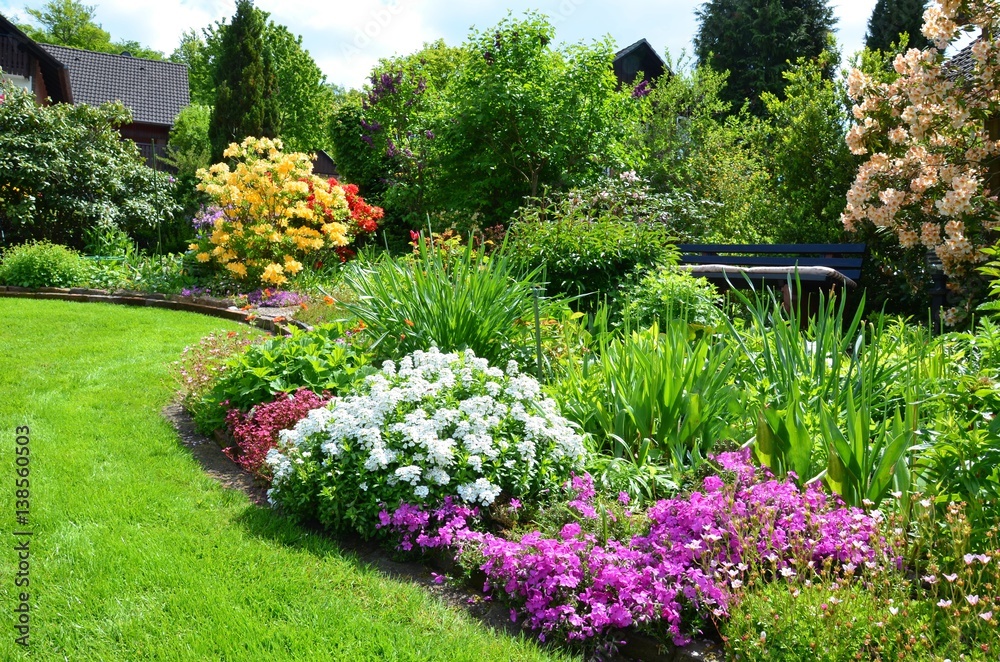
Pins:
x: 624, y: 499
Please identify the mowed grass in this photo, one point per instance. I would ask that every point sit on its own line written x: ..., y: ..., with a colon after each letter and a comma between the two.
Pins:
x: 137, y: 555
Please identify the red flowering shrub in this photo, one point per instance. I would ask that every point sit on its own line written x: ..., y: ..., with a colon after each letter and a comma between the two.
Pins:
x: 364, y: 216
x: 257, y: 432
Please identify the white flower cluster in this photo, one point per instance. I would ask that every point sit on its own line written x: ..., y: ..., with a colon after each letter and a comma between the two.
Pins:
x: 437, y: 425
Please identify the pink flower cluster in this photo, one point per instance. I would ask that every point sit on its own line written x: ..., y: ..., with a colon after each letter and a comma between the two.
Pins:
x: 257, y: 432
x: 695, y: 557
x: 934, y: 168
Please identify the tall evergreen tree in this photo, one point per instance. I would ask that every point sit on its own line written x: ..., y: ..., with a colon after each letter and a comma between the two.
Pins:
x: 245, y: 83
x: 891, y: 18
x: 756, y: 39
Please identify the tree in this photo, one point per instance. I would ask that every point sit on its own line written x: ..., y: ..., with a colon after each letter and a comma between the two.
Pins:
x: 754, y: 40
x: 71, y: 23
x: 65, y: 170
x: 302, y: 99
x: 933, y: 136
x: 522, y: 115
x: 245, y: 83
x: 890, y: 19
x: 700, y: 153
x: 806, y: 153
x: 193, y: 52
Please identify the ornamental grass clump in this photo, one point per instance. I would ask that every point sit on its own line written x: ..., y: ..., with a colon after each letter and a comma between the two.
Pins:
x: 696, y: 557
x: 438, y: 426
x: 272, y: 217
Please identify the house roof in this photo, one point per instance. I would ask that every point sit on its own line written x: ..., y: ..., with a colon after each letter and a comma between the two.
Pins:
x: 55, y: 74
x: 640, y: 56
x: 154, y: 90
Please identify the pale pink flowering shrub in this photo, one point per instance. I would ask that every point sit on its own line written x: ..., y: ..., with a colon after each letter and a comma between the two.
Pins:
x: 930, y: 147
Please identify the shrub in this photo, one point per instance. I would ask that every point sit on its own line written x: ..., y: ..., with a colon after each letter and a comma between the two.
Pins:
x: 65, y: 169
x: 588, y: 240
x: 328, y: 358
x: 42, y: 264
x: 451, y: 300
x: 442, y: 425
x: 664, y: 294
x: 256, y: 433
x: 273, y: 217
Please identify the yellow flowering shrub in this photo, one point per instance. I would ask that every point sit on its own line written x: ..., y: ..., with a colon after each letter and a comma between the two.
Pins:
x: 276, y: 215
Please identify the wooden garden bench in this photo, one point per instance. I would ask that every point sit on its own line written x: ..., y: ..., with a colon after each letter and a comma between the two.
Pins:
x: 818, y: 266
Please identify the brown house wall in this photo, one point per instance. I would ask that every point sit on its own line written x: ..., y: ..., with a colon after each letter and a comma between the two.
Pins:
x: 41, y: 92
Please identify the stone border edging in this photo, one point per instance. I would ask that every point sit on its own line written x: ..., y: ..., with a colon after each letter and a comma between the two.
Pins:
x: 222, y: 308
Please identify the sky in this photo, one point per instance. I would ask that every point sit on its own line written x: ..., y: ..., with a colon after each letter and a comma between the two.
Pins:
x: 347, y: 38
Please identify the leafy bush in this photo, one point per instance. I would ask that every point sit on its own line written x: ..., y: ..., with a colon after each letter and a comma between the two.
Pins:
x: 256, y: 432
x: 442, y: 425
x: 588, y: 240
x: 664, y: 294
x: 328, y: 358
x: 454, y: 301
x: 65, y: 169
x: 42, y: 264
x: 274, y: 216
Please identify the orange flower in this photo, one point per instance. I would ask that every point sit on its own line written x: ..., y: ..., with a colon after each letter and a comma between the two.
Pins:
x: 408, y: 322
x: 328, y: 300
x: 279, y: 318
x: 303, y: 306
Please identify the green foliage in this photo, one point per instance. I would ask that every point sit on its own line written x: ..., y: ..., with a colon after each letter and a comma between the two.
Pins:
x: 524, y: 115
x: 327, y: 358
x: 665, y: 294
x: 64, y: 170
x: 651, y: 397
x: 41, y: 264
x: 811, y: 165
x: 189, y: 147
x: 299, y: 103
x: 246, y: 84
x: 890, y: 19
x: 587, y: 240
x: 792, y: 623
x: 71, y: 23
x: 754, y: 40
x: 801, y: 363
x: 193, y: 52
x: 695, y: 149
x: 470, y: 301
x: 393, y: 133
x: 304, y: 101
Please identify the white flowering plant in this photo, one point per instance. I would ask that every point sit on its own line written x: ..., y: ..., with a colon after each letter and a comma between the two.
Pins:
x: 438, y: 425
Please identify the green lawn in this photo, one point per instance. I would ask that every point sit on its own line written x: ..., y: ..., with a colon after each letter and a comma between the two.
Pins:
x: 136, y: 554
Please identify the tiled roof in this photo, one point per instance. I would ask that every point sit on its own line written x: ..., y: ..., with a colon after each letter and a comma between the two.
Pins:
x: 962, y: 65
x: 155, y: 91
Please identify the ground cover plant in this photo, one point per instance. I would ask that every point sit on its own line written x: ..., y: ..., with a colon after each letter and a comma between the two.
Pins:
x: 136, y: 554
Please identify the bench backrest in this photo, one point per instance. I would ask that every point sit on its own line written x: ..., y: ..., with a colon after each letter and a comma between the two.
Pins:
x: 845, y: 258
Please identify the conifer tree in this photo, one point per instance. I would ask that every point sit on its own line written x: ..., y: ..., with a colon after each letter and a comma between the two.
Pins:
x: 890, y: 18
x: 245, y: 83
x: 755, y: 40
